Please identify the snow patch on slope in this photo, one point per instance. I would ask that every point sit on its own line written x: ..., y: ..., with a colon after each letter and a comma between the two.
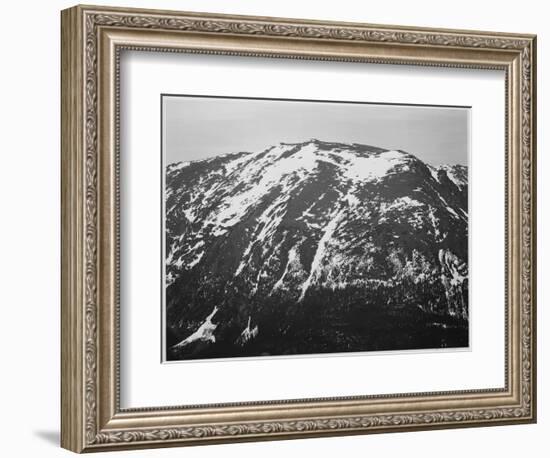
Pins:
x: 205, y: 332
x: 433, y: 172
x: 372, y: 167
x: 177, y: 166
x: 248, y: 333
x: 316, y: 264
x: 456, y: 174
x: 293, y: 264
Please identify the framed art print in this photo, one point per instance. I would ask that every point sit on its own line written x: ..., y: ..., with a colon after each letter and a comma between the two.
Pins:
x: 278, y: 228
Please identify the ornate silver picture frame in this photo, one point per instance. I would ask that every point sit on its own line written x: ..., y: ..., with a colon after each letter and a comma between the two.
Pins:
x: 93, y: 42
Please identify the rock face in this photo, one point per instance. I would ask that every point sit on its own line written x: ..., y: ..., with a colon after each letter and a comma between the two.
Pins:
x: 315, y: 247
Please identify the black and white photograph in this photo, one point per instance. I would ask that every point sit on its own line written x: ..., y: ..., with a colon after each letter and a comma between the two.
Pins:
x: 305, y: 227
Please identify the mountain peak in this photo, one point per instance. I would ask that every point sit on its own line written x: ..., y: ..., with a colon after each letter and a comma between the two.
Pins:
x: 337, y: 146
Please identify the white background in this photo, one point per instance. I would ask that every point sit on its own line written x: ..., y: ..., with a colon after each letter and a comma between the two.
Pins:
x: 146, y: 383
x: 29, y: 246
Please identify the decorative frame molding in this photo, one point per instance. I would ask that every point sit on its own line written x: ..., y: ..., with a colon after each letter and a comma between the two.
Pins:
x: 92, y: 38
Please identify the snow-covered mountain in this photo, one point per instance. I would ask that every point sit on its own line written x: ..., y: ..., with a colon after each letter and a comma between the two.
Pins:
x: 315, y: 247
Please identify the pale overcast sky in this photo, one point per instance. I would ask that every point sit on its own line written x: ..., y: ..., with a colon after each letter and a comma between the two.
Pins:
x: 200, y: 127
